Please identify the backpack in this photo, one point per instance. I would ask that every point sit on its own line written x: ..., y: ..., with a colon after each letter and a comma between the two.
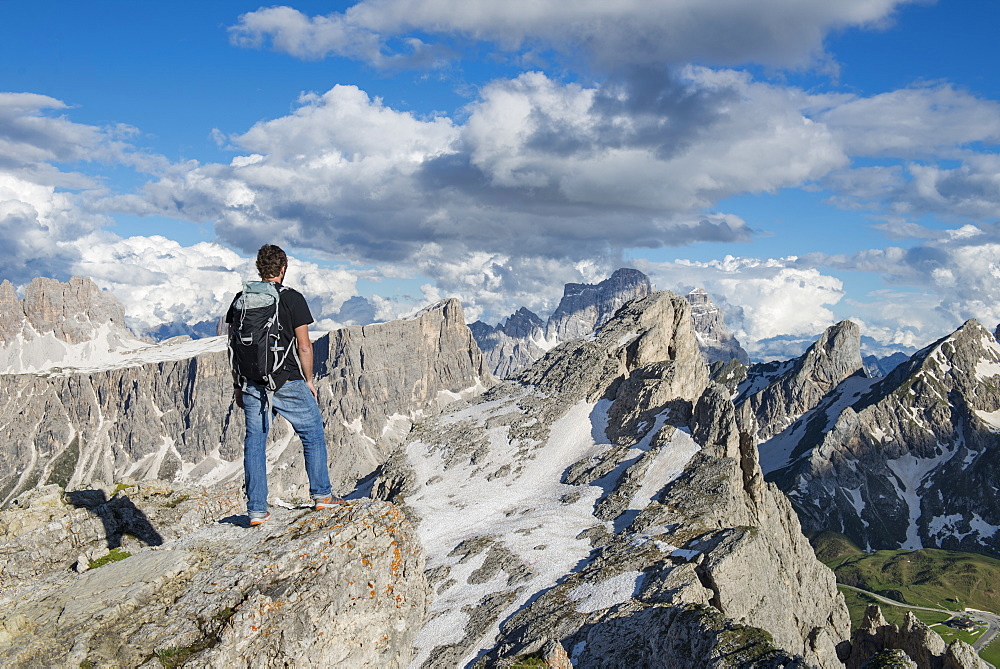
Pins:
x: 258, y: 345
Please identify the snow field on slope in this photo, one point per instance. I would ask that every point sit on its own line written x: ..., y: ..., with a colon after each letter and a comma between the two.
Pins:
x: 106, y: 347
x: 948, y: 526
x: 910, y: 471
x: 776, y: 452
x: 523, y: 511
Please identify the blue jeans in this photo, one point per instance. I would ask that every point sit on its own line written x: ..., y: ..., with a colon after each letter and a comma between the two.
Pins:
x: 296, y: 403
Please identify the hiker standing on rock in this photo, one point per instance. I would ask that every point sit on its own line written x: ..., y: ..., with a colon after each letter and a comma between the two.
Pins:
x: 271, y: 357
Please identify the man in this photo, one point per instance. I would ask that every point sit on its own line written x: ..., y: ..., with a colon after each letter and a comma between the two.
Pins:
x: 293, y: 396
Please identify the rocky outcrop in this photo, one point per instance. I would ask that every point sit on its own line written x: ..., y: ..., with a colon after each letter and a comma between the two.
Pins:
x: 717, y: 343
x: 605, y: 500
x: 60, y: 323
x: 340, y: 588
x: 876, y: 639
x: 903, y: 461
x: 175, y: 418
x: 774, y: 395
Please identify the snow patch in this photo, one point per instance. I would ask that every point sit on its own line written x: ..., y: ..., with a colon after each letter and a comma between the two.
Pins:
x: 612, y: 592
x: 457, y: 502
x: 911, y: 471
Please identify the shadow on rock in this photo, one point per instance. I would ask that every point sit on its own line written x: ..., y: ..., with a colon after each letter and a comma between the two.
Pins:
x: 238, y: 521
x: 119, y: 514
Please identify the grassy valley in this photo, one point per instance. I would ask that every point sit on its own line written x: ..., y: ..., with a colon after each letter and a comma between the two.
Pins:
x: 928, y: 577
x: 931, y: 578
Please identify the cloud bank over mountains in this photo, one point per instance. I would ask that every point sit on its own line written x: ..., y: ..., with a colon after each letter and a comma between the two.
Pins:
x: 632, y: 144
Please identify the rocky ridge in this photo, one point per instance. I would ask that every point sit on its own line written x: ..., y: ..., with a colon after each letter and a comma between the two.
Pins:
x: 605, y: 501
x: 59, y: 323
x: 774, y: 395
x: 513, y: 345
x: 197, y: 586
x: 175, y: 418
x: 908, y: 460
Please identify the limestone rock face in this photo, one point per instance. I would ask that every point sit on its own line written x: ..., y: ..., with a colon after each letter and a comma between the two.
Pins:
x: 876, y: 641
x: 604, y: 500
x: 340, y: 588
x: 60, y: 323
x: 175, y: 418
x: 716, y: 341
x: 902, y: 461
x: 585, y: 306
x: 513, y: 345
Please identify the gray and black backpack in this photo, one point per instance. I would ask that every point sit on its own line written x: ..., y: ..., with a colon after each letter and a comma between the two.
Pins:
x: 258, y: 345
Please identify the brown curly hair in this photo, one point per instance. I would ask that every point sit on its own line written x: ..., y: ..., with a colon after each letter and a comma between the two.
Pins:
x: 270, y: 261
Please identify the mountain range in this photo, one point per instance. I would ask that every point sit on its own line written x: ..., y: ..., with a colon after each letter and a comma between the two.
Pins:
x: 523, y: 337
x: 625, y: 498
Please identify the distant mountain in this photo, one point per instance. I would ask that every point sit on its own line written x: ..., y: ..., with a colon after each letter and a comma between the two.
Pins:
x: 717, y: 343
x: 875, y: 366
x: 512, y: 345
x: 61, y: 324
x: 908, y: 460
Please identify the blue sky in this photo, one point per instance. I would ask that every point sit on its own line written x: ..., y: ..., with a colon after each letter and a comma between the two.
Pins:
x: 803, y: 162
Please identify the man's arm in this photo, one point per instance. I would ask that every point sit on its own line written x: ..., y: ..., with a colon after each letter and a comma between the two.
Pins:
x: 305, y: 349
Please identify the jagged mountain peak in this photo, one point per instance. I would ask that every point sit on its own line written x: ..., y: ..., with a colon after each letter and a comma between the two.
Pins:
x: 774, y: 395
x: 512, y: 345
x: 585, y: 306
x: 903, y: 461
x: 522, y: 323
x: 649, y: 329
x: 835, y: 355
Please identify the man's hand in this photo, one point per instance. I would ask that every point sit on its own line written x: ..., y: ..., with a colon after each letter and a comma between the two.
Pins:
x: 239, y: 398
x: 305, y: 349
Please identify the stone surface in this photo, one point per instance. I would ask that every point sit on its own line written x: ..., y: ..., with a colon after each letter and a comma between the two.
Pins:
x: 585, y: 306
x: 513, y: 345
x: 60, y: 323
x: 340, y: 588
x: 715, y: 339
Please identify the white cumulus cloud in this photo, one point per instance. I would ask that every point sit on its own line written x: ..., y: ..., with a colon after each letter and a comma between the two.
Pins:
x: 159, y: 281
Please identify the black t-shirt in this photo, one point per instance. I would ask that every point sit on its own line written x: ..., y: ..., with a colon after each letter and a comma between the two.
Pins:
x: 292, y: 312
